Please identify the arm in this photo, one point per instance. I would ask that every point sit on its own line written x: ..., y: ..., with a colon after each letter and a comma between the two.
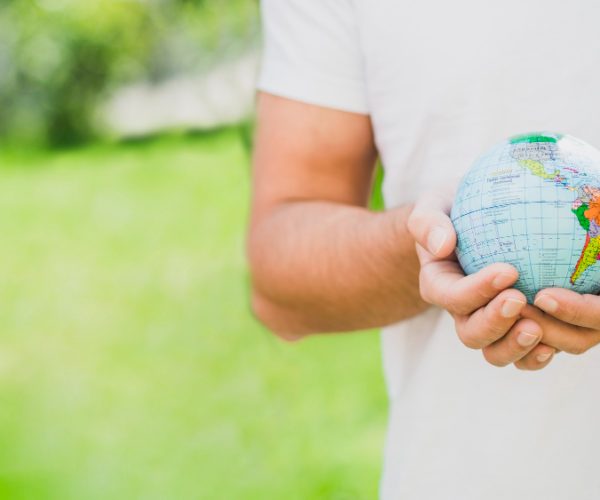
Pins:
x: 320, y: 260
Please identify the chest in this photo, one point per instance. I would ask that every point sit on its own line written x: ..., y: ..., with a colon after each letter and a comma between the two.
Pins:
x: 445, y: 80
x: 431, y: 45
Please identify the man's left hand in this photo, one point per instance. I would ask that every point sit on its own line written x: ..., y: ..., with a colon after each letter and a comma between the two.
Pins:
x: 570, y: 321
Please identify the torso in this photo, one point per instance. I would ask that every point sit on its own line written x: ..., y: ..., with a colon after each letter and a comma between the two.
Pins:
x: 446, y: 80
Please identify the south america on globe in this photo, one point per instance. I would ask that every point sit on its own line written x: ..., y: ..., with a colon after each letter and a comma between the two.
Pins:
x: 533, y: 201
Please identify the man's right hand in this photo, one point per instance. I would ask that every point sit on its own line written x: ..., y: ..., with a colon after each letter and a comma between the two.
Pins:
x: 485, y: 309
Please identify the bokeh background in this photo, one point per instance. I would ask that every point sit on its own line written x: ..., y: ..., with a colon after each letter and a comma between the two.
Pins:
x: 130, y: 364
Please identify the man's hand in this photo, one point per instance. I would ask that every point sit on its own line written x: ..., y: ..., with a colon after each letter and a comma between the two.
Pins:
x: 486, y: 312
x: 571, y: 322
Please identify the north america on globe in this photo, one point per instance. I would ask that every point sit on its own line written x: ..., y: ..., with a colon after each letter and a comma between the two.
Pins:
x: 533, y: 201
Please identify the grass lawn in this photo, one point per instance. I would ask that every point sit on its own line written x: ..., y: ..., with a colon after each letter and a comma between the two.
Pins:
x: 130, y: 366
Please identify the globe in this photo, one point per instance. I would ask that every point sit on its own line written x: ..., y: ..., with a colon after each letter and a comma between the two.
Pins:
x: 533, y: 201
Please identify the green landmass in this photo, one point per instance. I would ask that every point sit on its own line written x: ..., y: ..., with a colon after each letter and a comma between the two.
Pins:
x: 537, y: 168
x: 591, y: 248
x: 589, y: 256
x: 535, y: 137
x: 580, y: 214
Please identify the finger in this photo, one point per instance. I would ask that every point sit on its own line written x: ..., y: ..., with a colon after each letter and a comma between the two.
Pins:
x: 570, y: 307
x: 430, y: 225
x: 425, y: 257
x: 444, y: 284
x: 488, y: 324
x: 563, y: 336
x: 536, y: 359
x: 520, y: 340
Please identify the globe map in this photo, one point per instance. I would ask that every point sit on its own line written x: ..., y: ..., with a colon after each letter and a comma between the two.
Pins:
x: 533, y: 201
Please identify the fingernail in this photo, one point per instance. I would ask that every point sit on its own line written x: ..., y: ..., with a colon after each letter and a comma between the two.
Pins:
x: 546, y: 303
x: 511, y: 307
x: 542, y: 358
x: 503, y: 280
x: 525, y: 339
x: 437, y: 238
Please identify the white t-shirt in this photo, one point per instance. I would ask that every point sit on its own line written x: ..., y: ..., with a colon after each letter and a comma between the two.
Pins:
x: 442, y: 81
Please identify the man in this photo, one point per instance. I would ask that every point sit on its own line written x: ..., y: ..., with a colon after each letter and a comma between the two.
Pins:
x: 428, y: 86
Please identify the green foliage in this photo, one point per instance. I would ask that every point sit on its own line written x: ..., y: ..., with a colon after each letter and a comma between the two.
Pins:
x: 131, y: 367
x: 59, y: 58
x: 377, y: 201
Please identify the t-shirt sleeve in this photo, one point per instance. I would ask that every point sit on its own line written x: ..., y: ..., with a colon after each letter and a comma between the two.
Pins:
x: 312, y: 53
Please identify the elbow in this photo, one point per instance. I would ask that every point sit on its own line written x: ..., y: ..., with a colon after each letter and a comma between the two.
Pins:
x: 276, y: 320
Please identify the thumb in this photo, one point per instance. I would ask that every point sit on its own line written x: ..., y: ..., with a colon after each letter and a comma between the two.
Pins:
x: 430, y: 225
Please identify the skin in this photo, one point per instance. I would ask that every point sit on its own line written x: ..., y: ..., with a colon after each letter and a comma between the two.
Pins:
x: 488, y: 314
x: 321, y: 262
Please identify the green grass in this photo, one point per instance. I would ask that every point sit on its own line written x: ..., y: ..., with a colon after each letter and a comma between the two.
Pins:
x: 130, y: 365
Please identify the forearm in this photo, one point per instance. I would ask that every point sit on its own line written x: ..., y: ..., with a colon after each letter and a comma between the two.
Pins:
x: 324, y: 267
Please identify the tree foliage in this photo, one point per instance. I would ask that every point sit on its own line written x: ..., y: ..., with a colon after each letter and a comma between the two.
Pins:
x: 59, y: 58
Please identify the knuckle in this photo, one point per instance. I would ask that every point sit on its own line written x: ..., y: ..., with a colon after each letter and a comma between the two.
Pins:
x: 484, y: 294
x: 486, y: 339
x: 454, y: 304
x: 474, y: 335
x: 578, y: 347
x: 468, y: 339
x: 449, y: 301
x: 574, y: 315
x: 495, y: 323
x: 493, y: 360
x: 496, y: 330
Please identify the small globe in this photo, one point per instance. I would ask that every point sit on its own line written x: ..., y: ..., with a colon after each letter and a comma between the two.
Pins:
x: 533, y: 201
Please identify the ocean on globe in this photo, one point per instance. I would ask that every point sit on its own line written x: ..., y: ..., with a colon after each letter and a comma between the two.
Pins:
x: 533, y: 201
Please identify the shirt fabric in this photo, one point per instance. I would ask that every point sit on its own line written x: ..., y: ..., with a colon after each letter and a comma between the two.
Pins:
x: 443, y: 81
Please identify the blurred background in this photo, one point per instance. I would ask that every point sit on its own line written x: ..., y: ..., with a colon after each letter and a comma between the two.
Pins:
x: 130, y: 365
